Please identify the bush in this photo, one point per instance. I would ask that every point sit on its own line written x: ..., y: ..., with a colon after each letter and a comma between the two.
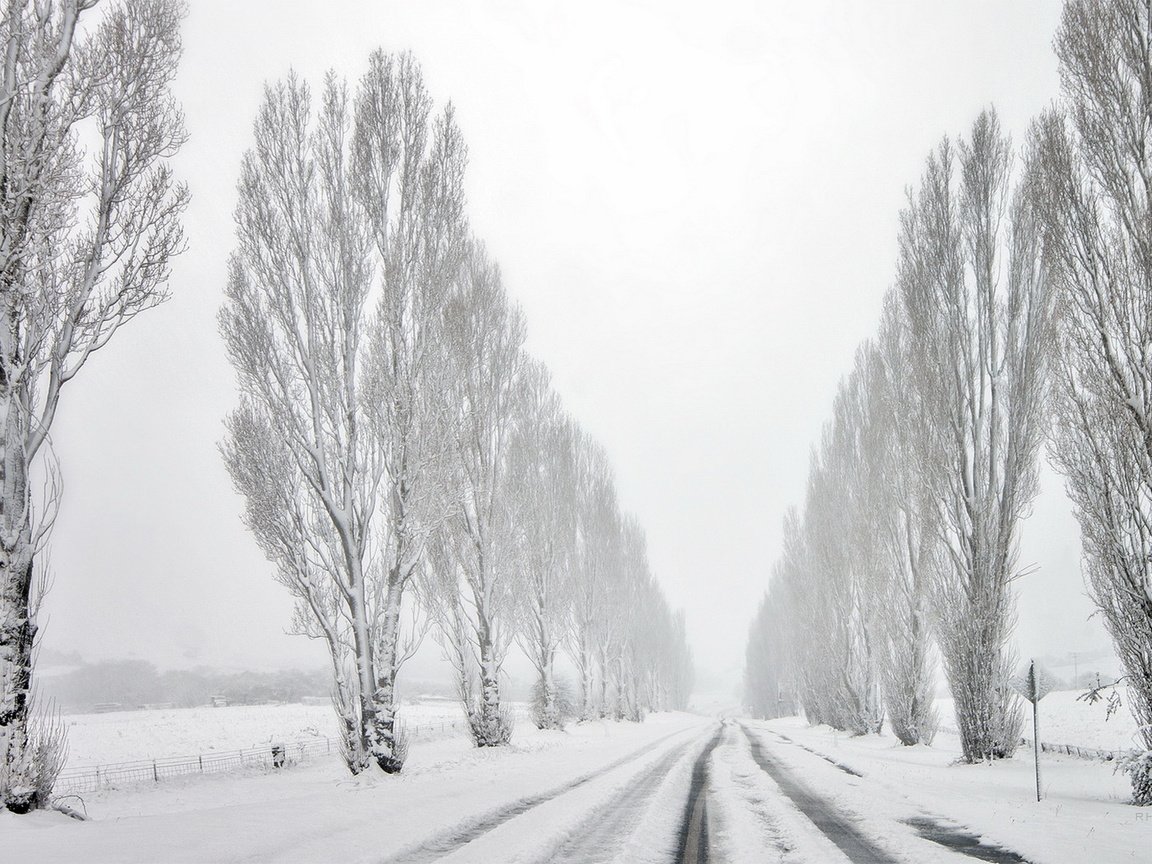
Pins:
x: 495, y: 732
x: 1139, y: 769
x: 563, y: 708
x: 27, y: 785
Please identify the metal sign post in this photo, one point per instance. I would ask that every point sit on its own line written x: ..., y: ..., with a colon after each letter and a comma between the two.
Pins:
x: 1034, y: 685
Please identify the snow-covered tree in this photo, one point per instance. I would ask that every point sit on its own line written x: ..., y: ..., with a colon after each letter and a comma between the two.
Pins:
x: 338, y: 440
x: 680, y: 670
x: 543, y: 460
x: 976, y: 310
x: 630, y: 609
x: 837, y: 566
x: 597, y: 537
x: 1097, y: 181
x: 767, y: 663
x: 481, y: 543
x: 408, y: 176
x: 86, y: 237
x: 905, y: 544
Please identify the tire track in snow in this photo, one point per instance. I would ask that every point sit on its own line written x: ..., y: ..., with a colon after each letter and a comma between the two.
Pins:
x: 827, y: 759
x: 833, y: 824
x: 694, y: 830
x: 601, y: 836
x: 461, y: 835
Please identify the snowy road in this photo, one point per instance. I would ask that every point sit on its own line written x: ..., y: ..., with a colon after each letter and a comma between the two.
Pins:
x: 646, y: 806
x: 597, y: 837
x: 676, y: 788
x: 832, y: 824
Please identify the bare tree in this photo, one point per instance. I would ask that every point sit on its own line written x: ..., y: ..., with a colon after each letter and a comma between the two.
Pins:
x: 977, y: 313
x: 85, y: 246
x: 597, y: 534
x: 486, y: 338
x: 768, y: 663
x: 904, y: 540
x: 1097, y: 179
x: 622, y: 620
x: 294, y: 323
x: 408, y: 177
x: 799, y: 609
x: 839, y: 566
x: 337, y: 443
x: 543, y: 459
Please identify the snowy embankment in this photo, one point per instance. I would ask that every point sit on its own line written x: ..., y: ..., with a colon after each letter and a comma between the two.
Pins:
x: 317, y: 812
x: 1083, y: 816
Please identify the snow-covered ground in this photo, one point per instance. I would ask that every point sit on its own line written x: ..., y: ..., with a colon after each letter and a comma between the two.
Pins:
x: 1082, y: 818
x: 316, y: 812
x: 1065, y: 719
x: 772, y: 791
x: 123, y: 736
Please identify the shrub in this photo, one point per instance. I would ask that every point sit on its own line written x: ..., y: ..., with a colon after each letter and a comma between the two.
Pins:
x: 1138, y: 767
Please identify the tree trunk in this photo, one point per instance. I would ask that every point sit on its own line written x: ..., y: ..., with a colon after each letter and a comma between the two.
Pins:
x: 584, y: 661
x: 18, y: 783
x: 387, y: 755
x: 365, y: 671
x: 603, y: 682
x: 488, y: 729
x: 548, y: 688
x: 18, y: 788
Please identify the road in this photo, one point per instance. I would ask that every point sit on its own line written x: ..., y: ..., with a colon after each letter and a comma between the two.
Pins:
x: 725, y: 792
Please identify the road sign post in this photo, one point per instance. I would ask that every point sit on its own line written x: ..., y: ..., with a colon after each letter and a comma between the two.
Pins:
x: 1034, y: 685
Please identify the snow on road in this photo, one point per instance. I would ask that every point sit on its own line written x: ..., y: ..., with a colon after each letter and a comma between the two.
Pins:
x: 316, y: 812
x: 676, y: 788
x: 1083, y: 817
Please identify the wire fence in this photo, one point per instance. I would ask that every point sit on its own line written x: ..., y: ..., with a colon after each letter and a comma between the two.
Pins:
x: 1076, y: 750
x: 1080, y: 752
x: 269, y: 757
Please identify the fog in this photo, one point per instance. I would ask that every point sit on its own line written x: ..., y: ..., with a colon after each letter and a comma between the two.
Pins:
x: 697, y: 211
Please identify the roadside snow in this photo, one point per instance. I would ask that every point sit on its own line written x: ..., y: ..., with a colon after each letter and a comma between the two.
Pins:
x: 317, y: 812
x: 1083, y: 817
x: 1064, y: 719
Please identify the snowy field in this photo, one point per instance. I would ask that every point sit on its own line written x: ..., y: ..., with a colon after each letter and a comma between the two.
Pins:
x: 1066, y: 720
x: 123, y: 736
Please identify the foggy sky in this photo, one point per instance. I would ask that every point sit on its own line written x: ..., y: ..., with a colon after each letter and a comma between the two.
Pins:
x: 696, y: 206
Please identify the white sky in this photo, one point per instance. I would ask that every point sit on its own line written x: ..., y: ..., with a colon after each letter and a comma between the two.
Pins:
x: 696, y: 205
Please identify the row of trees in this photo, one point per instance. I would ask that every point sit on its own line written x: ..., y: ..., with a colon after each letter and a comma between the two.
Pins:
x: 403, y: 461
x: 384, y: 437
x: 1022, y: 305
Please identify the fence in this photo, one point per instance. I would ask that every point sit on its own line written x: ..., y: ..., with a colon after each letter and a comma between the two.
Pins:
x: 1066, y: 749
x: 1079, y: 752
x: 93, y: 778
